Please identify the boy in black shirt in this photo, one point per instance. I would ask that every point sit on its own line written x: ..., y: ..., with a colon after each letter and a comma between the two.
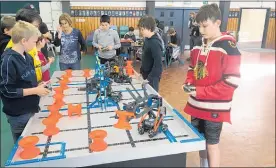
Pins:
x: 43, y: 28
x: 174, y: 45
x: 19, y: 89
x: 151, y: 68
x: 7, y: 23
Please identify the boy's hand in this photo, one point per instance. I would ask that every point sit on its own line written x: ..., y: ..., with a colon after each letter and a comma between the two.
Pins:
x: 51, y: 60
x: 59, y: 29
x: 100, y: 48
x: 189, y: 89
x: 41, y: 90
x: 110, y: 47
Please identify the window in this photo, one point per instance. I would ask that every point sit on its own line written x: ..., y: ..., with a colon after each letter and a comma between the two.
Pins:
x: 171, y: 23
x: 171, y: 14
x: 162, y: 14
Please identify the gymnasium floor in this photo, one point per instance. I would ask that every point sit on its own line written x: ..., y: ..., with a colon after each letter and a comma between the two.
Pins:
x: 249, y: 141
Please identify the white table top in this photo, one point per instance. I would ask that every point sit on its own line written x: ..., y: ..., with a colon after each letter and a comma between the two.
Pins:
x: 70, y: 147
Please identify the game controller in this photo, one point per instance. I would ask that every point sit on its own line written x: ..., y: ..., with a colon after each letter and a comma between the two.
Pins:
x: 189, y: 88
x: 48, y: 85
x: 105, y: 49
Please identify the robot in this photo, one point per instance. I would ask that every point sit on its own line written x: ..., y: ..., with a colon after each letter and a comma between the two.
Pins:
x: 154, y: 123
x: 115, y: 70
x: 152, y: 114
x: 101, y: 85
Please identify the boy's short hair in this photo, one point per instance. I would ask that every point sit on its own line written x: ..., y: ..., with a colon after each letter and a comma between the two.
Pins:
x: 147, y: 22
x: 209, y: 11
x: 7, y: 22
x: 40, y: 38
x: 22, y: 30
x: 131, y: 29
x: 105, y: 18
x: 66, y: 17
x: 28, y: 15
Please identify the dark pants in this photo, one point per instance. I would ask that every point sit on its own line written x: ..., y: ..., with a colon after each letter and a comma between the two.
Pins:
x: 211, y: 130
x: 103, y: 60
x: 154, y: 82
x: 75, y: 66
x: 18, y: 124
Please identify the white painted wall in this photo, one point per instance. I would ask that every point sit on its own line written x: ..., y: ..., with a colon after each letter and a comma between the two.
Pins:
x: 50, y: 17
x: 250, y: 31
x: 180, y: 4
x: 198, y: 4
x: 169, y: 3
x: 111, y: 4
x: 252, y: 4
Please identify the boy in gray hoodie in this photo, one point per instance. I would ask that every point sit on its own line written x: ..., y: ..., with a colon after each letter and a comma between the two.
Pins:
x: 106, y: 40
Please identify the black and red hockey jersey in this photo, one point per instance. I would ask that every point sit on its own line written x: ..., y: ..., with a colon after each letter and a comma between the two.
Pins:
x: 215, y: 71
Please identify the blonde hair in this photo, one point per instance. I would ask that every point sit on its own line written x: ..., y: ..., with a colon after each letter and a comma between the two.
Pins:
x: 22, y: 30
x: 66, y: 17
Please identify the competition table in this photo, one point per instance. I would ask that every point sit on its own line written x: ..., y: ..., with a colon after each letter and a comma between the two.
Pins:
x: 126, y: 148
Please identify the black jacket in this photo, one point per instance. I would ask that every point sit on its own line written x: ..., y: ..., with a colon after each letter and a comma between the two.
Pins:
x: 17, y: 74
x: 4, y: 40
x: 175, y: 40
x: 152, y: 57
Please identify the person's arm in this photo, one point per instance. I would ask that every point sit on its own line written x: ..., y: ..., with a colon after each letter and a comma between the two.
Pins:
x: 134, y: 37
x: 45, y: 67
x: 57, y: 41
x: 190, y: 23
x: 8, y: 82
x: 81, y: 41
x: 156, y: 52
x: 95, y: 39
x: 224, y: 89
x: 117, y: 41
x: 126, y: 36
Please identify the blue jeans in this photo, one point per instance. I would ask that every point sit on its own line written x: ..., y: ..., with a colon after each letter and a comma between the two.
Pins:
x: 154, y: 82
x: 75, y: 66
x: 18, y: 124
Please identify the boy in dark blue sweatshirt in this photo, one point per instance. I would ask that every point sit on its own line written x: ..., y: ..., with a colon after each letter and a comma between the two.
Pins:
x: 19, y: 89
x: 151, y: 68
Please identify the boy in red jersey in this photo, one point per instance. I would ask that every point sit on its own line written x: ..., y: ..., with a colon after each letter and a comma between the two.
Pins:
x: 212, y: 78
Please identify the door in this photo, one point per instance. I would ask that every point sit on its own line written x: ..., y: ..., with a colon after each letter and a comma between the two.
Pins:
x: 252, y: 28
x: 171, y: 18
x: 186, y: 30
x: 161, y: 15
x: 175, y: 20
